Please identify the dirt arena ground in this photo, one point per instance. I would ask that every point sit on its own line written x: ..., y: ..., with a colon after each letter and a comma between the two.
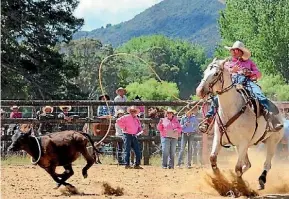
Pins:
x: 152, y: 182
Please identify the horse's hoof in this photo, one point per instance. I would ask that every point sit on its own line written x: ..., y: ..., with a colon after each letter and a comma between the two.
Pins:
x: 85, y: 175
x: 57, y: 186
x: 239, y: 174
x: 216, y: 170
x: 261, y: 185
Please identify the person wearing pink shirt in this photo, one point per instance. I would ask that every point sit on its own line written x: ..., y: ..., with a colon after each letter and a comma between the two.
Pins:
x: 15, y: 112
x: 244, y: 71
x: 131, y: 128
x: 170, y: 129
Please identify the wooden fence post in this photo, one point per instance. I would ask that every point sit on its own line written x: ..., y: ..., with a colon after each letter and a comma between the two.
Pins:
x: 90, y: 115
x: 146, y: 144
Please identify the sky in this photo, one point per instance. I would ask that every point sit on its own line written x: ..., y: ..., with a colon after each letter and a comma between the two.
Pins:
x: 97, y: 13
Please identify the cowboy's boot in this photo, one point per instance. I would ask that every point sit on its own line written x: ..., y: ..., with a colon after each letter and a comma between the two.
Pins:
x: 274, y: 123
x: 203, y: 127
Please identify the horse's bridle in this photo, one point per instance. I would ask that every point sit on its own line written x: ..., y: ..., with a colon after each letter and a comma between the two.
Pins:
x: 220, y: 78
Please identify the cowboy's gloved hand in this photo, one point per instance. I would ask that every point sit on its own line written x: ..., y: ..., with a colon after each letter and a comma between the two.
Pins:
x: 235, y: 69
x: 246, y: 72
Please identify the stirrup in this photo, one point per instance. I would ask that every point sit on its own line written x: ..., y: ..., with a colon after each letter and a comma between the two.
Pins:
x: 204, y: 127
x: 273, y: 123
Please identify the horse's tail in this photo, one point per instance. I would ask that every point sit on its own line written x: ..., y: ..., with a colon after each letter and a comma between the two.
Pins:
x: 95, y: 150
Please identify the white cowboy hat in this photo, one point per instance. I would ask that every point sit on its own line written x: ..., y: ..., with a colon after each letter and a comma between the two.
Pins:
x: 68, y: 108
x: 241, y: 46
x: 120, y: 88
x: 14, y: 107
x: 120, y: 111
x: 170, y: 110
x: 47, y: 107
x: 133, y: 108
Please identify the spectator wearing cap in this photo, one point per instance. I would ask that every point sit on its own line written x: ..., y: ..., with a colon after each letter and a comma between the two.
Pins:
x: 170, y: 129
x: 120, y: 98
x: 119, y: 133
x: 131, y: 127
x: 46, y: 127
x: 104, y: 111
x: 15, y: 112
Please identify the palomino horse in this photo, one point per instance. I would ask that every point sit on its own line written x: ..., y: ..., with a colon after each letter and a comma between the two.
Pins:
x: 244, y: 130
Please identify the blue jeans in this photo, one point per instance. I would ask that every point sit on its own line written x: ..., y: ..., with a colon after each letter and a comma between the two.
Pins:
x: 187, y: 138
x: 131, y: 142
x: 169, y: 146
x: 253, y: 88
x: 213, y: 108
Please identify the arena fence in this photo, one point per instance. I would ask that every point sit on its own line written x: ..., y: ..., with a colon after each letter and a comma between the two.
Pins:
x: 87, y: 115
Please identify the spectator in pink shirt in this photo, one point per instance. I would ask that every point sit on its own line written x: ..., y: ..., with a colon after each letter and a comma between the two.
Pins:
x: 131, y: 127
x: 170, y: 129
x: 15, y: 112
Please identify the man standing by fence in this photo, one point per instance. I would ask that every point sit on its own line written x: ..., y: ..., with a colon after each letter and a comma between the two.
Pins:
x: 131, y: 126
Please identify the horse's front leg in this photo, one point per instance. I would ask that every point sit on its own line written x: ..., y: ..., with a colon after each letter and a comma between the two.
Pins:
x: 59, y: 182
x: 242, y: 154
x: 215, y: 148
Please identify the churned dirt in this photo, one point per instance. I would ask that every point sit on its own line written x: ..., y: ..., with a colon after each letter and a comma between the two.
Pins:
x: 112, y: 181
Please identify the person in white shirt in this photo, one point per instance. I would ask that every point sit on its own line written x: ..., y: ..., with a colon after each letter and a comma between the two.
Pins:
x: 119, y: 133
x: 120, y: 98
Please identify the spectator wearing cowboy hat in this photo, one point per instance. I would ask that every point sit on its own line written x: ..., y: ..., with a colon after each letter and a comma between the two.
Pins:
x: 120, y: 98
x: 119, y: 133
x: 46, y: 127
x: 131, y: 126
x: 103, y: 111
x: 170, y: 129
x: 15, y: 112
x: 66, y: 116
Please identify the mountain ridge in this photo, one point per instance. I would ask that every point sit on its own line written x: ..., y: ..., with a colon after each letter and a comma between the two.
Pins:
x: 195, y: 21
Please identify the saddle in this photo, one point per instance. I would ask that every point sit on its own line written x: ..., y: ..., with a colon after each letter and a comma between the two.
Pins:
x: 253, y: 102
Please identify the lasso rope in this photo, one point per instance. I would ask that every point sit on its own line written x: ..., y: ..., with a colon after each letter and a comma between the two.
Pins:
x: 103, y: 93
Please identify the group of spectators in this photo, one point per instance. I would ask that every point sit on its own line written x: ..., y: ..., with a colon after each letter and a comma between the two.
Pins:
x: 129, y: 128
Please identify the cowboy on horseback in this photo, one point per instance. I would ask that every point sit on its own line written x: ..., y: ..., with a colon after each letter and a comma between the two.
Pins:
x: 244, y: 71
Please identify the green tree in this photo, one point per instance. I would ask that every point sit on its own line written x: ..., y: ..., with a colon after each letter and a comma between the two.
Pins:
x: 275, y: 87
x: 263, y: 26
x: 173, y: 60
x: 31, y: 66
x: 153, y: 90
x: 88, y: 55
